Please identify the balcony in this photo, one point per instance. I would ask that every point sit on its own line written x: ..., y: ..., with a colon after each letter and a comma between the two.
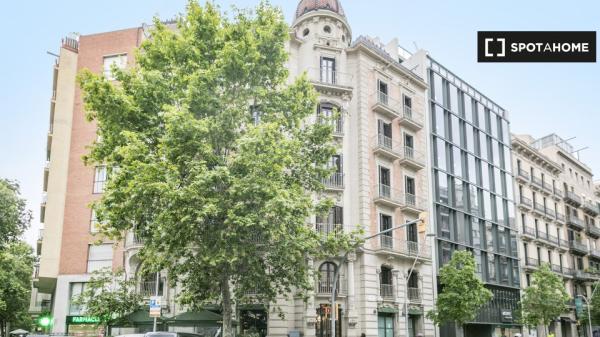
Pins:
x: 386, y: 105
x: 585, y: 275
x: 563, y: 244
x: 552, y: 240
x: 326, y: 229
x: 572, y: 199
x: 575, y: 222
x: 567, y: 272
x: 531, y: 263
x: 410, y: 119
x: 132, y: 240
x: 335, y: 182
x: 523, y: 176
x: 404, y: 248
x: 528, y: 233
x: 550, y: 214
x: 578, y: 247
x: 557, y: 268
x: 387, y: 148
x: 387, y: 196
x: 537, y: 183
x: 325, y: 287
x: 595, y: 253
x: 525, y: 203
x: 593, y: 231
x: 539, y: 209
x: 558, y: 194
x: 590, y: 208
x: 548, y: 188
x: 412, y: 159
x: 148, y: 288
x: 328, y: 80
x: 337, y: 124
x: 386, y: 291
x: 413, y: 204
x: 414, y: 295
x: 560, y: 218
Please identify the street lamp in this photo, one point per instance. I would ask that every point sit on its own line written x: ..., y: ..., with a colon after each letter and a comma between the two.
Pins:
x: 336, y: 274
x: 589, y: 314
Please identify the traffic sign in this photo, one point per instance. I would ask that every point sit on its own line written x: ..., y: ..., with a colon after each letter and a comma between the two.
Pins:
x: 155, y: 306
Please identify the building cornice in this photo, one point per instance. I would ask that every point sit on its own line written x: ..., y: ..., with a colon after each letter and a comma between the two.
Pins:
x: 522, y: 147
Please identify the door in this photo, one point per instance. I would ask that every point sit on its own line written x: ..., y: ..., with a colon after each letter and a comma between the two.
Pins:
x: 409, y: 145
x: 409, y: 188
x: 385, y: 223
x: 328, y: 70
x: 384, y: 182
x: 411, y: 233
x: 384, y: 133
x: 385, y: 323
x: 382, y: 90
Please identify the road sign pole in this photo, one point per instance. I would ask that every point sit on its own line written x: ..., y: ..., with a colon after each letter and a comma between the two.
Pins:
x: 156, y: 294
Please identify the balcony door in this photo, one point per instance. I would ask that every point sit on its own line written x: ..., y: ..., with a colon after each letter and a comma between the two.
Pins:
x: 410, y: 190
x: 385, y: 182
x: 336, y: 162
x: 412, y: 233
x: 384, y: 133
x: 328, y: 70
x: 385, y: 223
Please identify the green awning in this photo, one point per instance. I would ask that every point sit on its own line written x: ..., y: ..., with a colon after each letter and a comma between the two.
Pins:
x: 139, y: 317
x: 415, y: 311
x: 196, y: 318
x: 388, y: 310
x: 252, y: 307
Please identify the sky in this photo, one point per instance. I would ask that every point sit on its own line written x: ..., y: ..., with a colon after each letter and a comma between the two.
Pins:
x: 541, y: 98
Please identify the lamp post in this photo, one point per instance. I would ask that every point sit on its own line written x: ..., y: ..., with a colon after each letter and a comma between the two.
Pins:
x: 589, y: 314
x: 336, y: 273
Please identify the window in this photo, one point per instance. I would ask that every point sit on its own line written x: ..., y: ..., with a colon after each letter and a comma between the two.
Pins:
x: 491, y: 267
x: 382, y: 90
x: 326, y: 274
x: 442, y: 190
x: 94, y: 223
x: 410, y: 189
x: 455, y: 130
x: 441, y: 154
x: 325, y: 114
x: 99, y: 257
x: 444, y: 221
x: 407, y: 106
x: 384, y: 182
x: 100, y: 179
x: 305, y: 32
x: 385, y: 325
x: 489, y: 236
x: 475, y: 232
x: 119, y: 61
x: 453, y: 98
x: 75, y: 290
x: 385, y: 223
x: 384, y: 134
x: 457, y: 161
x: 327, y: 29
x: 440, y: 126
x: 468, y: 107
x: 438, y: 88
x: 328, y: 70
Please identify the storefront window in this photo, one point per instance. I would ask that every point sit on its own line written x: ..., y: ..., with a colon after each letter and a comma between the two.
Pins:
x: 385, y: 323
x: 323, y: 324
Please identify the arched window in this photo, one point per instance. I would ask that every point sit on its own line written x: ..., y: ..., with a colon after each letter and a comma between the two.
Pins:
x: 327, y: 29
x: 326, y: 274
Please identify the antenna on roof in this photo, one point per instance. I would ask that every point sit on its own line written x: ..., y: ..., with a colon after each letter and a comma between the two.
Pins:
x: 416, y: 47
x: 53, y: 54
x: 577, y: 151
x: 565, y: 140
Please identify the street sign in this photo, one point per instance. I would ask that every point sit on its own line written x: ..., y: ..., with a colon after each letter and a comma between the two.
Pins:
x: 155, y: 305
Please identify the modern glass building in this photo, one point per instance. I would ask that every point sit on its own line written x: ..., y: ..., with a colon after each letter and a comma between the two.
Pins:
x: 473, y: 202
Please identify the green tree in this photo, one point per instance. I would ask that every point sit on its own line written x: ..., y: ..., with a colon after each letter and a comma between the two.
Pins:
x: 16, y: 267
x: 218, y: 171
x: 109, y: 296
x: 595, y: 307
x: 544, y: 299
x: 14, y: 216
x: 462, y: 294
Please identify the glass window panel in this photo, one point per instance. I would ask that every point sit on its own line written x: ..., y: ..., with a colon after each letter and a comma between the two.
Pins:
x: 491, y: 267
x: 507, y: 159
x: 502, y: 244
x: 483, y: 147
x: 438, y: 90
x: 511, y: 214
x: 497, y: 181
x: 468, y: 106
x: 485, y: 175
x: 457, y: 161
x: 493, y: 125
x: 474, y: 199
x: 442, y: 187
x: 458, y: 194
x: 469, y: 138
x: 478, y: 259
x: 495, y: 153
x: 514, y: 250
x: 453, y: 98
x: 481, y: 116
x: 444, y: 218
x: 440, y: 125
x: 475, y: 232
x: 441, y: 154
x: 505, y: 132
x: 472, y: 169
x: 461, y: 231
x: 504, y: 270
x: 487, y: 205
x: 455, y: 129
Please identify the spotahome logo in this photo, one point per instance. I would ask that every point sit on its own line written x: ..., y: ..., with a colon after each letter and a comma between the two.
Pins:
x: 536, y: 46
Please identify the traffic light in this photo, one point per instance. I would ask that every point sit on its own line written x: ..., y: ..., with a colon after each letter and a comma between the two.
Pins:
x: 45, y: 321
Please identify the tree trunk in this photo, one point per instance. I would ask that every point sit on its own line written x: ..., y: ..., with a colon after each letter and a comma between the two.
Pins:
x: 227, y: 307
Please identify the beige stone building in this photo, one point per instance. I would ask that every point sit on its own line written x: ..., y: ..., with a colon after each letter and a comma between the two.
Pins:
x: 557, y: 215
x: 381, y: 182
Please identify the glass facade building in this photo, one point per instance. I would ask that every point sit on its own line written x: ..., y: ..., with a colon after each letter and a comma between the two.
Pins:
x: 473, y: 199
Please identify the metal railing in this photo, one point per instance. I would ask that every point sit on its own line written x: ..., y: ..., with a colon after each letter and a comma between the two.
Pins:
x: 553, y: 239
x: 335, y: 180
x: 542, y: 235
x: 526, y: 201
x: 385, y: 142
x: 532, y: 262
x: 148, y: 289
x: 556, y: 268
x: 409, y: 248
x: 575, y: 221
x: 529, y: 231
x: 412, y: 154
x: 387, y: 241
x: 547, y: 187
x: 329, y: 228
x: 595, y: 253
x: 410, y: 115
x: 414, y: 294
x: 326, y: 286
x: 558, y: 192
x: 590, y: 207
x: 329, y: 76
x: 573, y: 197
x: 593, y: 230
x: 132, y: 240
x: 539, y: 207
x: 560, y: 217
x: 386, y: 290
x: 524, y: 174
x: 578, y: 245
x: 337, y: 123
x: 550, y: 213
x: 537, y: 181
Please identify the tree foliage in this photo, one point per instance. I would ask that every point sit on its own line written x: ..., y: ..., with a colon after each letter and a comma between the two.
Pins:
x: 110, y: 296
x: 16, y: 267
x: 545, y: 298
x: 221, y: 201
x: 462, y: 294
x: 14, y: 216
